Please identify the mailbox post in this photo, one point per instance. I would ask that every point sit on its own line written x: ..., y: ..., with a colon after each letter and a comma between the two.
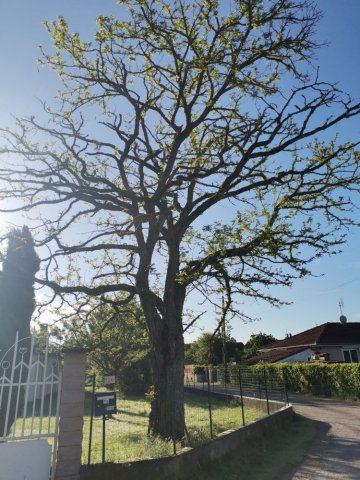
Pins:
x: 105, y: 404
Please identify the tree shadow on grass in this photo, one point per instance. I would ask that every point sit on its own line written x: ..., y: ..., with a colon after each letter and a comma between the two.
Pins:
x: 200, y: 399
x: 128, y: 413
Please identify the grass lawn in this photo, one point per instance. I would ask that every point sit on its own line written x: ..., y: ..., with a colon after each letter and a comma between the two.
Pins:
x: 126, y: 432
x: 263, y: 458
x: 260, y: 458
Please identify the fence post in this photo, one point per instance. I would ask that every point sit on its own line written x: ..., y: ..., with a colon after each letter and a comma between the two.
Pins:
x: 259, y: 384
x: 285, y: 388
x: 103, y: 438
x: 266, y: 391
x: 241, y: 397
x: 209, y: 402
x: 71, y: 415
x: 225, y: 372
x: 91, y: 417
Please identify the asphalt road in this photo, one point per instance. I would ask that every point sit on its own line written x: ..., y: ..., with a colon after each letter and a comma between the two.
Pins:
x: 336, y: 452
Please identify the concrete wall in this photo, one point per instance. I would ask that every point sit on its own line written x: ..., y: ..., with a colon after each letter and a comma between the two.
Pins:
x: 28, y: 460
x: 259, y: 403
x: 186, y: 462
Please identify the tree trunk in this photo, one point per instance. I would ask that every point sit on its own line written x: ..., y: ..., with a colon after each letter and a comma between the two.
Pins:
x: 164, y: 321
x: 167, y: 417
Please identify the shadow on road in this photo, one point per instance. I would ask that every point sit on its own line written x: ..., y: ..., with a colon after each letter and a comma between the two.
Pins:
x: 322, y: 429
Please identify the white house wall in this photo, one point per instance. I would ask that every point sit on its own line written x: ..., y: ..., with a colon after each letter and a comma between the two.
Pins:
x: 298, y: 357
x: 335, y: 353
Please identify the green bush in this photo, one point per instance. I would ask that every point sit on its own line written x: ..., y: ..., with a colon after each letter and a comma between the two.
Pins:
x: 340, y: 380
x: 330, y: 380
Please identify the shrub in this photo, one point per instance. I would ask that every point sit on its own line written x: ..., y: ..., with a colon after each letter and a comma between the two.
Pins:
x: 331, y: 380
x: 340, y: 380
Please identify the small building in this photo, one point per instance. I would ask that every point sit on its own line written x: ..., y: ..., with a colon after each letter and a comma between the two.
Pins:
x: 194, y: 373
x: 329, y: 342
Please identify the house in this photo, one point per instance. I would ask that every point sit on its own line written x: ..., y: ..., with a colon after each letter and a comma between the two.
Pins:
x: 329, y: 342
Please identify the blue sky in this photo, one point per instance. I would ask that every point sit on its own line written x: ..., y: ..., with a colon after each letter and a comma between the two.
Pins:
x: 22, y: 83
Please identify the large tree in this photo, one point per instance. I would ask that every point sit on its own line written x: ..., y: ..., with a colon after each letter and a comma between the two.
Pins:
x: 256, y: 341
x: 208, y: 349
x: 183, y: 154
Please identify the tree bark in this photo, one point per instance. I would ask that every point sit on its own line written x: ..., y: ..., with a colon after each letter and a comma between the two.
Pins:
x: 167, y: 417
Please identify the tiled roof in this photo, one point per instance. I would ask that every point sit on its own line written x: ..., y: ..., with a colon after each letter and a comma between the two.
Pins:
x: 325, y: 334
x: 270, y: 356
x: 322, y: 335
x: 337, y: 333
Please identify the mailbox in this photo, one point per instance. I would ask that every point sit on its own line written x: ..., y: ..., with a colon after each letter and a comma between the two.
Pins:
x: 105, y: 403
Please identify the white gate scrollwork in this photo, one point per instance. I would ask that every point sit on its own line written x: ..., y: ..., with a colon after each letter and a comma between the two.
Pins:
x: 30, y: 387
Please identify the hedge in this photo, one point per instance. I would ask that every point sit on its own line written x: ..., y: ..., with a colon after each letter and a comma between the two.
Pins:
x: 328, y: 379
x: 340, y: 380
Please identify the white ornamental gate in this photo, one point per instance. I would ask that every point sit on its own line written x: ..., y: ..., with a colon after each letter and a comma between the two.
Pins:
x: 30, y: 387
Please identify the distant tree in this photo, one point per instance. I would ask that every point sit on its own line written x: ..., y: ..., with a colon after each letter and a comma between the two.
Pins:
x: 173, y: 112
x: 234, y: 350
x: 17, y: 301
x: 118, y: 344
x: 207, y: 350
x: 257, y: 340
x: 17, y: 298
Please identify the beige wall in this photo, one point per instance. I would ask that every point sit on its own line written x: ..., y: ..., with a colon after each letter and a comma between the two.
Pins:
x: 71, y: 416
x: 336, y: 353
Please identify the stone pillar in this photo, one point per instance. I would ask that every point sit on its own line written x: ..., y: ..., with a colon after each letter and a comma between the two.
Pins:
x: 71, y: 415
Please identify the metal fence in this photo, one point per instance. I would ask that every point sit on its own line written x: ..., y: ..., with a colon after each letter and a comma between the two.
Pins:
x: 30, y: 387
x: 216, y: 400
x: 240, y: 380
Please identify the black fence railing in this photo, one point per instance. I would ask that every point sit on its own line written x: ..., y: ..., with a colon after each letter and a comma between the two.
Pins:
x: 240, y: 381
x: 216, y: 400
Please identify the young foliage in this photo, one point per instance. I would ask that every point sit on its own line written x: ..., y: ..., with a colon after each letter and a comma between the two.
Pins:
x: 117, y: 343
